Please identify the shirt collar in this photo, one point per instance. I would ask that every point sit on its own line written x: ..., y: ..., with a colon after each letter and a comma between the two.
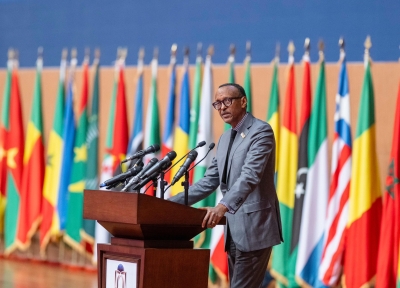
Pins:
x: 240, y: 123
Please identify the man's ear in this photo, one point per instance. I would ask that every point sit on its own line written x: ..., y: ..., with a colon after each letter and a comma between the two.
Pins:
x: 244, y: 102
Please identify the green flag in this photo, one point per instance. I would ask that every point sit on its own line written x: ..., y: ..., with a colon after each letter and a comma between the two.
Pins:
x: 247, y: 83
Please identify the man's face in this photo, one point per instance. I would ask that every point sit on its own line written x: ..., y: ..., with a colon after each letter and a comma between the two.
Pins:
x: 235, y: 112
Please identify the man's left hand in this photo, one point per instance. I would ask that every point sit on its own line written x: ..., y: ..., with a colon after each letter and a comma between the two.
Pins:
x: 214, y: 214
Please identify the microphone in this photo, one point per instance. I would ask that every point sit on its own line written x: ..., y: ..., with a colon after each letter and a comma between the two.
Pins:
x: 153, y: 175
x: 200, y: 144
x: 141, y: 153
x: 121, y: 177
x: 182, y: 170
x: 160, y: 165
x: 136, y: 179
x: 210, y: 147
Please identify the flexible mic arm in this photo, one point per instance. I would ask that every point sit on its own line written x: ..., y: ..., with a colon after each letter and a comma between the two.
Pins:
x: 212, y: 145
x: 200, y: 144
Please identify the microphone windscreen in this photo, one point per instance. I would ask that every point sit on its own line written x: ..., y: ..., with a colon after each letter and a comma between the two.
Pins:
x: 171, y: 155
x: 156, y: 147
x: 212, y: 145
x: 201, y: 144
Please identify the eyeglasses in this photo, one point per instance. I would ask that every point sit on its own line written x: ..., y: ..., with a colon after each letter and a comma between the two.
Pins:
x: 227, y: 102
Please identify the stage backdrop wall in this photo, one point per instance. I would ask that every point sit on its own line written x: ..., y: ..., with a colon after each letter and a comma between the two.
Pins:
x: 386, y: 77
x: 27, y: 24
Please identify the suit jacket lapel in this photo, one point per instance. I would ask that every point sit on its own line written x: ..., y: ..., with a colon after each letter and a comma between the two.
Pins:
x: 244, y: 129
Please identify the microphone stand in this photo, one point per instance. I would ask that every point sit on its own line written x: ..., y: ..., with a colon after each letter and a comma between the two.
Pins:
x: 162, y: 184
x: 155, y: 185
x: 185, y: 185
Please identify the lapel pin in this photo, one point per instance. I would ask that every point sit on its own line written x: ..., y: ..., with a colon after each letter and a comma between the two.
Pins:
x: 242, y: 134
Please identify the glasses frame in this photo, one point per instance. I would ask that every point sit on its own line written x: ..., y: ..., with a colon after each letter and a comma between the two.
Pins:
x: 227, y: 104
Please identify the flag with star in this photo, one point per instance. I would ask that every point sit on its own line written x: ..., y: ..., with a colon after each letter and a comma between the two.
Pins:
x: 365, y: 209
x: 4, y: 127
x: 13, y: 124
x: 92, y: 140
x: 50, y: 225
x: 388, y: 257
x: 286, y: 182
x: 78, y: 176
x: 34, y: 166
x: 302, y: 168
x: 311, y: 237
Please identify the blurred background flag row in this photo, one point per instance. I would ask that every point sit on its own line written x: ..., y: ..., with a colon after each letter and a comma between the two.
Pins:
x: 323, y: 214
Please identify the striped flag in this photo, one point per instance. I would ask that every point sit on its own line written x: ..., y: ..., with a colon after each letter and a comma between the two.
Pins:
x: 181, y: 138
x: 388, y: 260
x: 286, y: 182
x: 195, y: 111
x: 33, y: 177
x: 78, y: 176
x: 311, y: 240
x: 50, y: 225
x: 273, y: 117
x: 15, y: 148
x: 136, y: 140
x: 338, y: 203
x: 152, y: 132
x: 247, y: 82
x: 168, y: 138
x: 205, y: 133
x: 365, y: 195
x: 68, y: 142
x: 4, y: 128
x: 92, y: 139
x: 302, y: 168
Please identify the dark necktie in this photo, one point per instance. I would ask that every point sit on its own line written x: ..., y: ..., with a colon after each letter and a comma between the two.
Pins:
x: 233, y: 134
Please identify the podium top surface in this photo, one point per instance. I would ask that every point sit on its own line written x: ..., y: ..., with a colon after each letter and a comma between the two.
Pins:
x: 134, y: 208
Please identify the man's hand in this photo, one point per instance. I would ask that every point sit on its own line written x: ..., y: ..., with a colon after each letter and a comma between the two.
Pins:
x: 214, y: 214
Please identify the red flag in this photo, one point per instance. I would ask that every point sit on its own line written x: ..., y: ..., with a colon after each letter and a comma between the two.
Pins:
x: 390, y: 224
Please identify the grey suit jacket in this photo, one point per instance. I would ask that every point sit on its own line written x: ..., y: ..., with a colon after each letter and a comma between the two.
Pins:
x: 254, y: 222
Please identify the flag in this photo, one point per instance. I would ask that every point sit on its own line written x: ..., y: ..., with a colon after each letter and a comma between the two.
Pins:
x: 78, y: 176
x: 50, y: 225
x: 231, y: 63
x: 116, y: 141
x: 286, y: 182
x: 247, y: 82
x: 4, y: 128
x: 389, y: 242
x: 181, y: 138
x: 15, y: 149
x: 302, y: 168
x: 92, y: 140
x: 338, y: 203
x: 311, y: 240
x: 195, y: 111
x: 136, y: 140
x: 273, y: 117
x: 34, y: 166
x: 168, y: 138
x: 365, y: 195
x: 152, y: 132
x: 68, y: 156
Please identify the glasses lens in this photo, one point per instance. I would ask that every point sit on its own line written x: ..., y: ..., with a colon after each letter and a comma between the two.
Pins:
x: 227, y: 102
x: 217, y: 105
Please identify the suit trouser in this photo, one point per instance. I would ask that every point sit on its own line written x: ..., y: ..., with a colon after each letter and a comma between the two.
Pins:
x: 246, y: 269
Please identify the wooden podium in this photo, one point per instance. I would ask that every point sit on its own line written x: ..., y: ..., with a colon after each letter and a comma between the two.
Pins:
x: 151, y: 241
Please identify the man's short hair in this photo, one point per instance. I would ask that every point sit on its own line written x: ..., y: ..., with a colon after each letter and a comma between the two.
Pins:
x: 237, y: 86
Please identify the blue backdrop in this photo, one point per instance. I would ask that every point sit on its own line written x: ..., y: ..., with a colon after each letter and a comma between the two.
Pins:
x: 28, y: 24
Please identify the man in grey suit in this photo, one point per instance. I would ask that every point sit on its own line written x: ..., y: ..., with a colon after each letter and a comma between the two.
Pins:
x: 244, y: 169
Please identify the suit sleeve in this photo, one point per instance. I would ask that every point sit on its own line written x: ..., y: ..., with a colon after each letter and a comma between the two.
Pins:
x: 252, y: 170
x: 201, y: 189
